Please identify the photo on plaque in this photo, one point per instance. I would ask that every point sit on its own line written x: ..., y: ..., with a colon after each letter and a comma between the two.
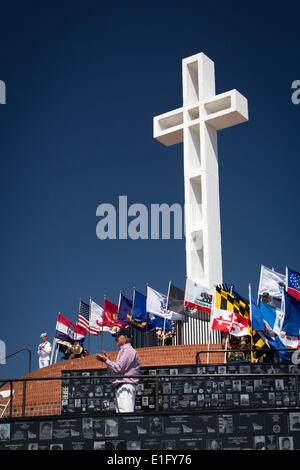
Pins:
x: 33, y: 446
x: 259, y: 442
x: 140, y: 389
x: 174, y: 403
x: 286, y: 443
x: 46, y: 428
x: 245, y: 369
x: 87, y: 428
x: 4, y: 432
x: 271, y: 442
x: 236, y: 386
x: 168, y: 445
x: 111, y: 427
x: 156, y: 425
x: 225, y: 423
x: 222, y: 370
x: 167, y: 388
x: 258, y: 385
x: 173, y: 371
x: 294, y: 421
x: 56, y: 446
x: 214, y: 444
x: 99, y: 445
x: 133, y: 445
x: 279, y: 384
x: 245, y: 399
x: 24, y: 431
x: 99, y: 391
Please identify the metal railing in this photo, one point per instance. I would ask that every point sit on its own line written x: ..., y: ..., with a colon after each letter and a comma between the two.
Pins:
x: 261, y: 351
x: 153, y: 378
x: 17, y: 352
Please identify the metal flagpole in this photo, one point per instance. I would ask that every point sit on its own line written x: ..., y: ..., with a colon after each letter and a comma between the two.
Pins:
x: 89, y: 340
x: 133, y: 295
x: 183, y: 310
x: 101, y: 340
x: 250, y: 303
x: 168, y: 301
x: 146, y: 317
x: 210, y: 324
x: 54, y: 343
x: 259, y: 284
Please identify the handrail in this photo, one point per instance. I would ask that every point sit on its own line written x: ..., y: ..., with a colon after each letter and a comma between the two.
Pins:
x: 155, y: 378
x: 17, y: 352
x: 208, y: 351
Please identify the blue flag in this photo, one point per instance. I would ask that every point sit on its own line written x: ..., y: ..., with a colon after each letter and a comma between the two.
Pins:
x: 291, y: 322
x: 160, y: 322
x: 140, y: 318
x: 268, y: 313
x: 257, y: 319
x: 124, y: 312
x: 276, y: 343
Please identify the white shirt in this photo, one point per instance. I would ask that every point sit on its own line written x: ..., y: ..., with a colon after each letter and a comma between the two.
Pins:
x: 45, y: 351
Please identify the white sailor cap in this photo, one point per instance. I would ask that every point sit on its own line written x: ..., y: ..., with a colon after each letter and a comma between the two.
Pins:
x: 43, y: 334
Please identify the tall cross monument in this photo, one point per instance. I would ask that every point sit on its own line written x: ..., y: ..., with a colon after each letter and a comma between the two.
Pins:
x: 196, y: 124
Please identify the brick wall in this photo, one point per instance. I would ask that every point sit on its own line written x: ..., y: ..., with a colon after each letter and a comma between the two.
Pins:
x: 44, y: 397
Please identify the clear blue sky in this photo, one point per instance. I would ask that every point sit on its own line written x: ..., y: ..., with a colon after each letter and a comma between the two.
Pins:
x: 84, y: 80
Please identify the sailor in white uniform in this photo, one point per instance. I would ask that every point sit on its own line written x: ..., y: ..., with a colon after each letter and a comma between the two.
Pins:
x: 44, y: 351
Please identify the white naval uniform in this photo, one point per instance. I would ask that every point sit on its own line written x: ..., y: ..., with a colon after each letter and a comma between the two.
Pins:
x: 44, y: 353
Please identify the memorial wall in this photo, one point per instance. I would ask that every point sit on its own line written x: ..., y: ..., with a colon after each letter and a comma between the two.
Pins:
x: 229, y: 407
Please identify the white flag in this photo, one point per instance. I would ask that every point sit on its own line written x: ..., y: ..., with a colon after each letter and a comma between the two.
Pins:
x: 198, y: 300
x: 96, y: 319
x: 157, y: 304
x: 271, y: 282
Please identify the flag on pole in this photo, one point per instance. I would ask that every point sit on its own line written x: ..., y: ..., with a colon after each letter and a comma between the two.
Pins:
x: 272, y: 282
x: 110, y: 313
x: 257, y: 319
x: 90, y: 317
x: 96, y: 318
x: 266, y: 321
x: 198, y: 301
x: 291, y: 321
x: 156, y: 303
x: 229, y: 322
x: 67, y: 331
x: 140, y: 317
x: 233, y: 303
x: 175, y: 299
x: 293, y: 283
x: 124, y: 310
x: 160, y: 322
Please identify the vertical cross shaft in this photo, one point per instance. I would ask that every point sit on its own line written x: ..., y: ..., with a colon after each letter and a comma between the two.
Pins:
x: 196, y: 124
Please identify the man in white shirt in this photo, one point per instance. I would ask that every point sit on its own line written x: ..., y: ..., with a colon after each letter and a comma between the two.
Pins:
x: 44, y: 351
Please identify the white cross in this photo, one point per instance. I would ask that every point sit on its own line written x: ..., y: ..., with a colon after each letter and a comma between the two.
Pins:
x: 196, y: 124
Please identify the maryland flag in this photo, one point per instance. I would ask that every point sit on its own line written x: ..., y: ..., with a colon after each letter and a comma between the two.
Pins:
x: 235, y: 303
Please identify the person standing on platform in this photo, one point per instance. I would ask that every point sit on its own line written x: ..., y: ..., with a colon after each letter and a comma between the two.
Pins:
x: 44, y: 351
x: 127, y: 363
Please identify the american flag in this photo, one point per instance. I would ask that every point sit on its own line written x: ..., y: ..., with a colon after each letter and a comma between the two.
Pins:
x: 84, y: 315
x: 293, y: 283
x: 89, y: 318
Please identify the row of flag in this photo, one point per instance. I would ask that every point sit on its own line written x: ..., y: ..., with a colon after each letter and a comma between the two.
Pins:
x: 226, y: 311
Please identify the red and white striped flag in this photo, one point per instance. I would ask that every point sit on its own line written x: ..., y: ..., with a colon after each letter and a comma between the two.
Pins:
x: 90, y: 317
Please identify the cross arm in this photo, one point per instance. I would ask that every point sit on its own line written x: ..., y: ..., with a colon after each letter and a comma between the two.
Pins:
x: 168, y: 127
x: 226, y: 110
